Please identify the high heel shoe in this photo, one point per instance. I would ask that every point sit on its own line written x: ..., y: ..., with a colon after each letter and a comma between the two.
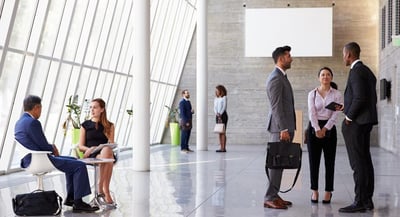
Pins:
x: 328, y: 201
x: 312, y: 200
x: 109, y: 206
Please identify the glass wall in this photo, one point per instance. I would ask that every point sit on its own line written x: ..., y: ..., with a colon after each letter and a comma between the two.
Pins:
x: 83, y: 49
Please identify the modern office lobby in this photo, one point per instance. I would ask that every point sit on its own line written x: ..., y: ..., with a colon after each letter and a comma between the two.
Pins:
x: 139, y: 55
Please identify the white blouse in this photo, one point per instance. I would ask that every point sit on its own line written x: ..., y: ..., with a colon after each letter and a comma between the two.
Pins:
x: 219, y: 105
x: 317, y: 110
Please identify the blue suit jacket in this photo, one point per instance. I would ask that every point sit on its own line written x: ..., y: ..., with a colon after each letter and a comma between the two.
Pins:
x: 185, y: 111
x: 280, y: 95
x: 29, y: 132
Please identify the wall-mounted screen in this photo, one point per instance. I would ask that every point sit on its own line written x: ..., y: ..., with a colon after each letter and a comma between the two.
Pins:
x: 307, y: 30
x: 385, y: 89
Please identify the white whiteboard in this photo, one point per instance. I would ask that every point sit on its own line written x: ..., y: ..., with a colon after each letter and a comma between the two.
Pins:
x: 307, y: 30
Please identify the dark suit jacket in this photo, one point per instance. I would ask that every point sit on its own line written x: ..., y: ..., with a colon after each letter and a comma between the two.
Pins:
x: 29, y: 132
x: 360, y: 95
x: 185, y: 112
x: 280, y: 95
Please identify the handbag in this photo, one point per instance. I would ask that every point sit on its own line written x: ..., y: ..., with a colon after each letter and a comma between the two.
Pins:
x: 219, y: 128
x: 283, y: 155
x: 37, y: 203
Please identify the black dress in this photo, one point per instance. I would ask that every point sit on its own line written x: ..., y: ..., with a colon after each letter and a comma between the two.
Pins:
x: 94, y: 136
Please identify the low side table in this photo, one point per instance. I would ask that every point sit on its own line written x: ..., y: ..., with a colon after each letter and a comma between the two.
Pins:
x: 95, y: 162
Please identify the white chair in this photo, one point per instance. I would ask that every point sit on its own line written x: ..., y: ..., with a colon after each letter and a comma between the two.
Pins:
x: 40, y: 165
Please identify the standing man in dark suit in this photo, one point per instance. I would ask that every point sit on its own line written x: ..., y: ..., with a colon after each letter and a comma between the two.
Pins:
x: 29, y: 132
x: 281, y: 119
x: 186, y: 113
x: 360, y: 110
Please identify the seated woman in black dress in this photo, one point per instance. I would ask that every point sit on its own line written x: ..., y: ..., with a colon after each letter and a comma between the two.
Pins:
x: 98, y: 130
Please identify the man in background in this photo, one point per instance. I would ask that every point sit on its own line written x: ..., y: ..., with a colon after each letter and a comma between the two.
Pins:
x: 186, y: 114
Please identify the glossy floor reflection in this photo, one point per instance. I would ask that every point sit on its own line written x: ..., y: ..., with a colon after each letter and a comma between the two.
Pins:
x: 206, y: 184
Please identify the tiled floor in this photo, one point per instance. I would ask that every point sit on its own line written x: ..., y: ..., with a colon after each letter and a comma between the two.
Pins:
x: 206, y: 184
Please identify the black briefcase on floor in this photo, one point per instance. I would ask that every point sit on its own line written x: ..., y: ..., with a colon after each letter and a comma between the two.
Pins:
x: 37, y: 203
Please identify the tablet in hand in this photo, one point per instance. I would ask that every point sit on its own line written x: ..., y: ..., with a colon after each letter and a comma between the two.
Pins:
x: 334, y: 106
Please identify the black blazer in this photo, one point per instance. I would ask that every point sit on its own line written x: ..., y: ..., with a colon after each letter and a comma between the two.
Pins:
x: 360, y: 95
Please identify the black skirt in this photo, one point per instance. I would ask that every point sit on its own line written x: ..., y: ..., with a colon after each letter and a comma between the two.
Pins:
x: 224, y: 118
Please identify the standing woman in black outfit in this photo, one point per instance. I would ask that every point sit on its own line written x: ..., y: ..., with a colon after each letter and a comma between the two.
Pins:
x: 220, y: 104
x: 322, y: 133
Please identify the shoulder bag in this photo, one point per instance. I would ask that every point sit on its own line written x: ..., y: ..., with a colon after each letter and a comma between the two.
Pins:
x: 37, y: 203
x: 283, y: 155
x: 219, y: 126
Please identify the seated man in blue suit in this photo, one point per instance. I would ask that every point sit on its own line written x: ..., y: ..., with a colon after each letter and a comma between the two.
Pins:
x: 29, y: 132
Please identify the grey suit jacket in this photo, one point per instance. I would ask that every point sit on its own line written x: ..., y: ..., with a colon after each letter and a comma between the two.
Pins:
x: 280, y: 96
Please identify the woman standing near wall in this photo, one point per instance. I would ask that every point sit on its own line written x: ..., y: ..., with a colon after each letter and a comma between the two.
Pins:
x: 220, y: 105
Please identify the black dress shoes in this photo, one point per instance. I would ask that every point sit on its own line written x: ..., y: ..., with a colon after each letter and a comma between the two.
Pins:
x: 69, y: 202
x: 83, y: 207
x: 369, y: 205
x: 355, y: 207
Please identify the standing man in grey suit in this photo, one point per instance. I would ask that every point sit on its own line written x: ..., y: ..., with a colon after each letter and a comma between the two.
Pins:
x: 360, y: 110
x: 281, y: 119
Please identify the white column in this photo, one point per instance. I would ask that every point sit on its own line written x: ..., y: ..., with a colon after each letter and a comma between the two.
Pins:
x: 202, y: 77
x: 141, y: 86
x: 140, y: 204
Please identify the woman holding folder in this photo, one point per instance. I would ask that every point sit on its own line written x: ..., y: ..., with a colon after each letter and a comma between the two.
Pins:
x: 322, y: 132
x: 95, y: 132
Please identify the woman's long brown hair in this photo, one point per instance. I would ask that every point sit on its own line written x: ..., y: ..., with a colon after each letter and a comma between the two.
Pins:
x: 103, y: 117
x: 221, y: 89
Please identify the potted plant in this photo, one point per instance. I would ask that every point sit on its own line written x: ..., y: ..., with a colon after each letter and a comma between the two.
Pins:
x: 130, y: 112
x: 172, y: 123
x: 73, y: 118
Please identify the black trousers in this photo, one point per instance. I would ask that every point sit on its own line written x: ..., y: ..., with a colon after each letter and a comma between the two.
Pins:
x: 357, y: 139
x: 315, y: 148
